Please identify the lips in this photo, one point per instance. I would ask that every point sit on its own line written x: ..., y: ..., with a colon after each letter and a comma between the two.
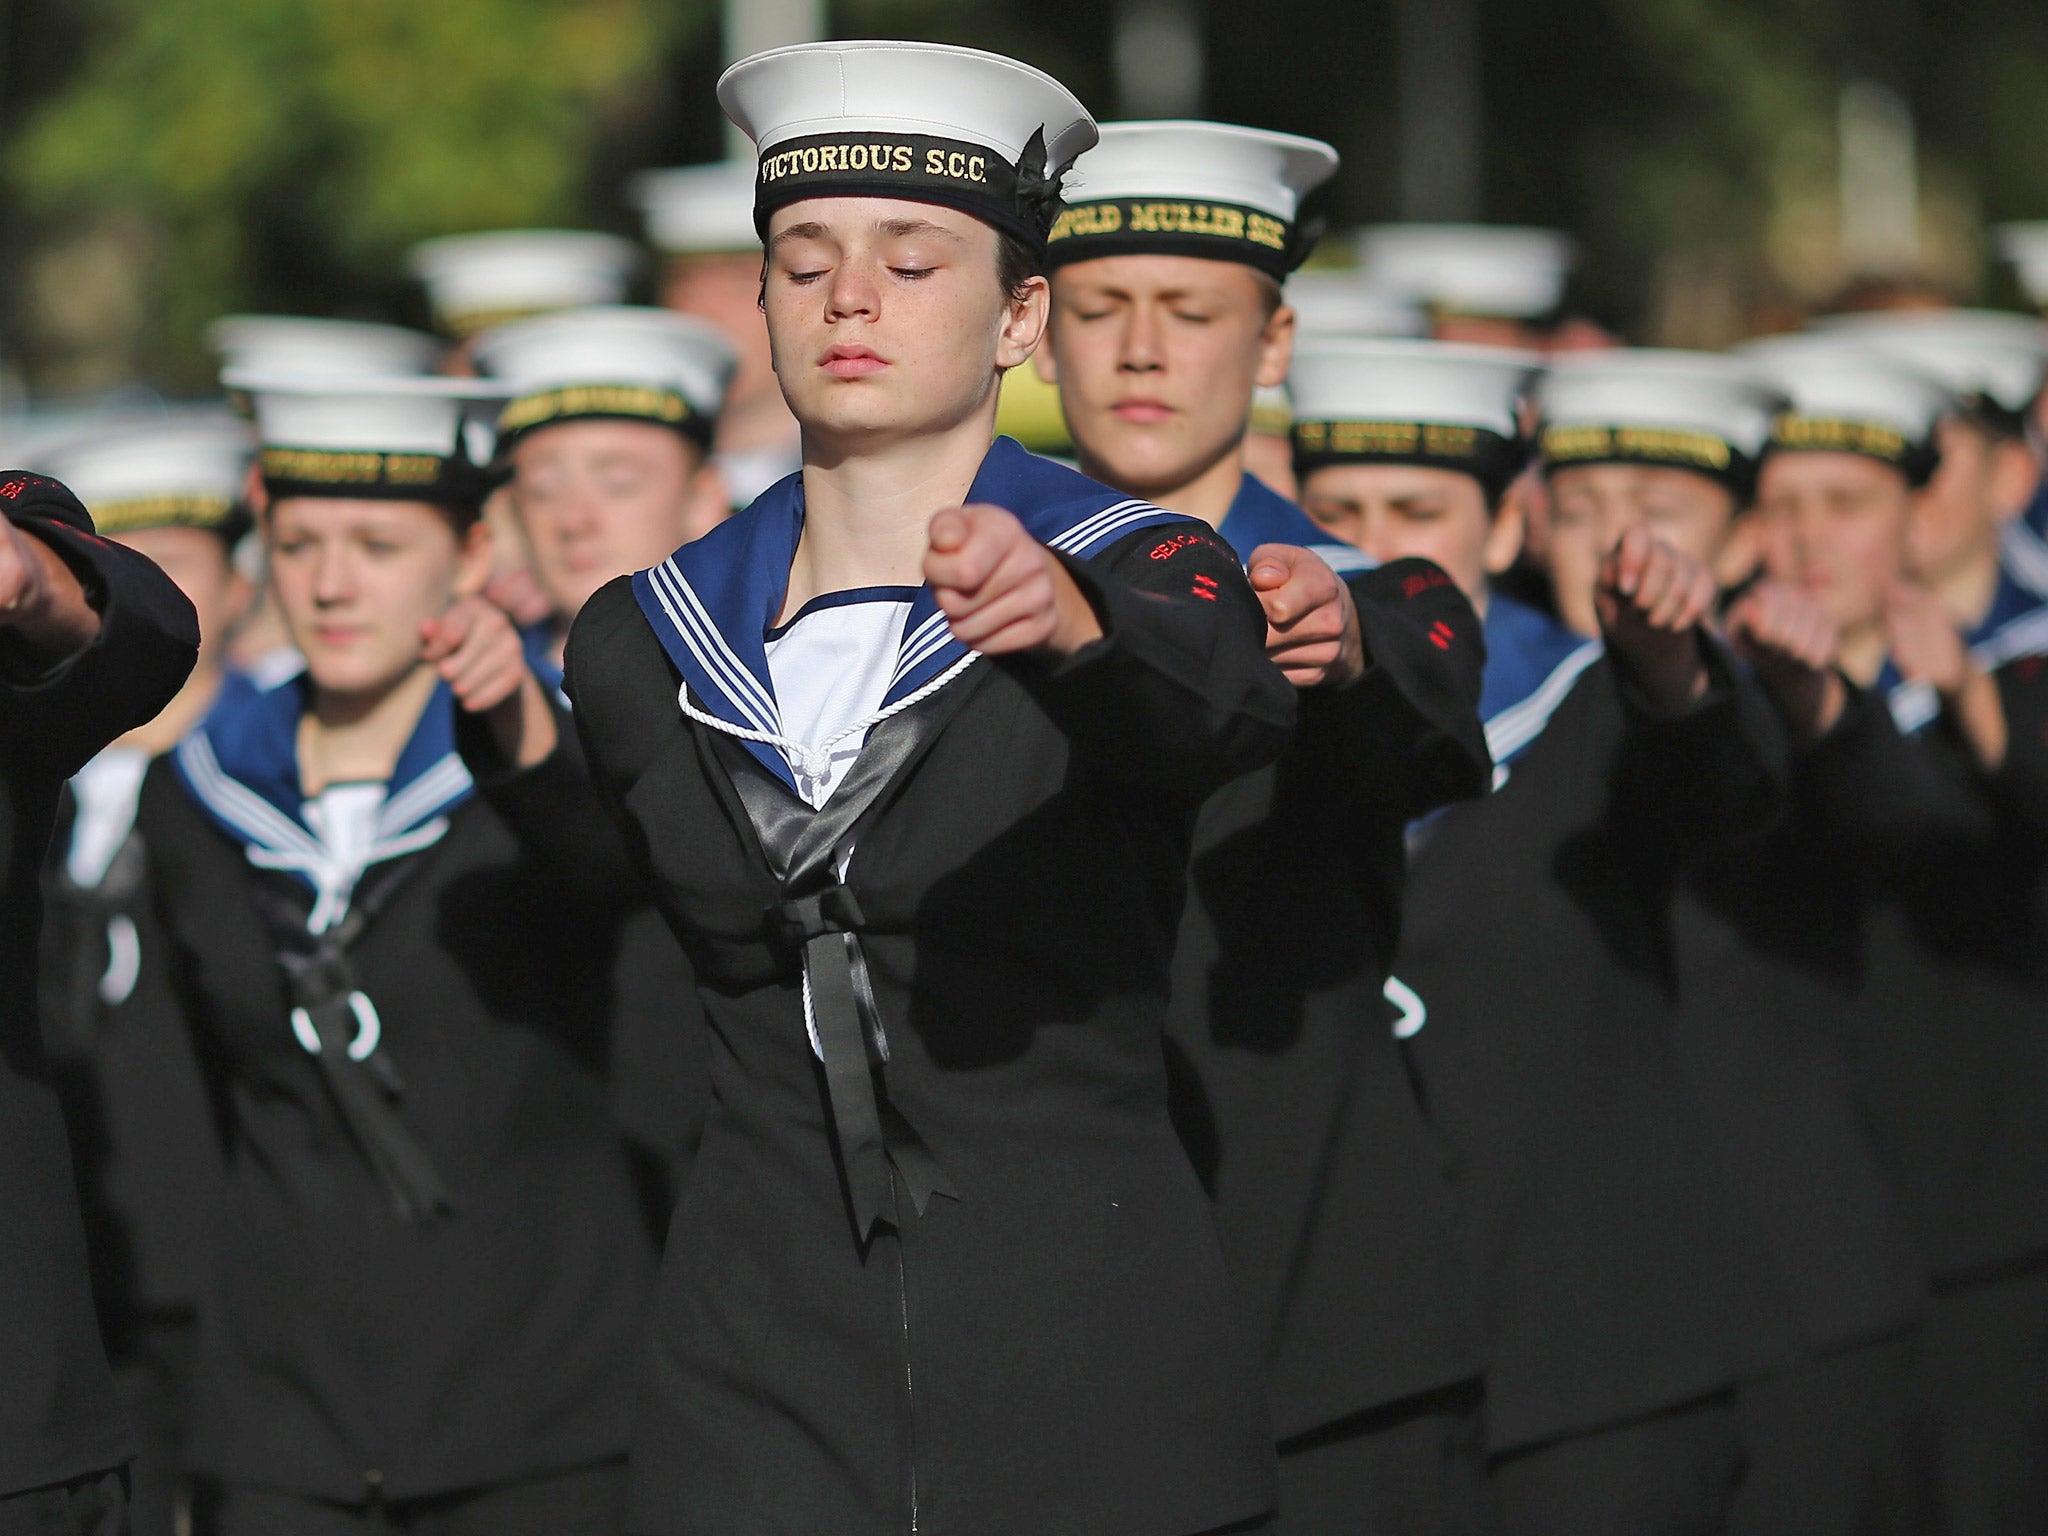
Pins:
x: 1142, y: 412
x: 850, y: 362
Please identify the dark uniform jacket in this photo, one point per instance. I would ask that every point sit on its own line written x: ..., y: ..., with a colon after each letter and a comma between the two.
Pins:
x: 58, y: 1418
x: 1768, y: 934
x: 1535, y: 942
x: 1952, y: 976
x: 949, y: 1272
x: 346, y: 1351
x: 1289, y: 1089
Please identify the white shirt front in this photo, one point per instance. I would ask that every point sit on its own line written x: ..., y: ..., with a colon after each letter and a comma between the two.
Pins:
x: 831, y: 666
x: 106, y: 791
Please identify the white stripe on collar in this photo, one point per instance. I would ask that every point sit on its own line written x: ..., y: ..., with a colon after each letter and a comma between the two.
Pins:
x: 272, y: 840
x: 1915, y: 705
x: 2026, y: 558
x: 1519, y: 724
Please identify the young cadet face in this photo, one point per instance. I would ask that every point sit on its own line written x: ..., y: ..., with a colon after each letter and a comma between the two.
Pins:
x: 1156, y: 358
x: 1980, y: 484
x: 887, y: 319
x: 356, y: 579
x: 203, y: 566
x: 597, y: 499
x: 1835, y: 524
x: 1593, y: 505
x: 1392, y: 511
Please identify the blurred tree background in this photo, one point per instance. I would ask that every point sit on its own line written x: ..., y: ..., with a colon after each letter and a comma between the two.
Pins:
x: 1724, y: 162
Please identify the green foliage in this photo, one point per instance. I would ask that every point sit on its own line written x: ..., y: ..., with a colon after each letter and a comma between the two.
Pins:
x: 288, y: 151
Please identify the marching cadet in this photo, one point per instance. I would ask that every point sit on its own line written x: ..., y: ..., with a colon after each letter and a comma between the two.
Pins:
x: 1534, y: 1015
x: 2025, y: 244
x: 1947, y: 961
x: 607, y: 437
x: 1969, y: 541
x: 273, y: 345
x: 94, y: 641
x: 142, y: 1132
x: 1830, y: 1399
x: 914, y: 781
x: 1335, y: 1215
x: 430, y: 1259
x: 701, y: 218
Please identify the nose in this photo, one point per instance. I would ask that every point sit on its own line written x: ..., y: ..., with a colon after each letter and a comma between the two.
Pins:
x: 1141, y: 351
x: 333, y: 577
x: 851, y: 292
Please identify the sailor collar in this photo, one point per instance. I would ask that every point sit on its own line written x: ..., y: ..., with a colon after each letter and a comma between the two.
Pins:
x: 1532, y: 663
x: 1260, y: 515
x: 241, y: 767
x: 712, y: 602
x: 2015, y: 626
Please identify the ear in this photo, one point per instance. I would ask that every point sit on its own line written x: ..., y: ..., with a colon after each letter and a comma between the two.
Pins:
x: 476, y: 548
x: 2015, y: 472
x: 241, y: 597
x: 1504, y: 539
x: 1276, y: 348
x: 1024, y: 321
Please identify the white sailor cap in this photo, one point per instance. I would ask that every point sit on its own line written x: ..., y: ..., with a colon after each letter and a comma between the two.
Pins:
x: 419, y: 439
x: 2025, y: 245
x: 617, y: 362
x: 1681, y: 410
x: 1492, y: 270
x: 183, y: 471
x: 476, y: 281
x: 279, y: 344
x: 699, y: 210
x: 1849, y: 398
x: 922, y: 121
x: 1340, y: 301
x: 1193, y: 189
x: 1438, y: 404
x: 1996, y: 362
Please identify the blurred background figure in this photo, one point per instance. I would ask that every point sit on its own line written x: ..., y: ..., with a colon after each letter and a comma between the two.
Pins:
x: 143, y: 1139
x: 701, y: 219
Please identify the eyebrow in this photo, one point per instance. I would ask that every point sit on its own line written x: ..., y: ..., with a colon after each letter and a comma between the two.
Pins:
x: 895, y: 229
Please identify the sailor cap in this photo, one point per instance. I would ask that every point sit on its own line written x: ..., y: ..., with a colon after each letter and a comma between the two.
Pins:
x: 418, y: 439
x: 1698, y: 411
x: 1849, y: 398
x: 1994, y: 361
x: 921, y: 121
x: 1437, y: 404
x: 699, y: 210
x: 279, y: 344
x: 1492, y: 270
x: 615, y: 361
x: 2025, y: 245
x: 1193, y: 189
x: 474, y: 282
x: 182, y: 471
x: 1340, y: 301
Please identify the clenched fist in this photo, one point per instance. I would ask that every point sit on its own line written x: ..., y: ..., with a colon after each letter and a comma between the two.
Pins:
x: 1790, y: 640
x: 1312, y: 631
x: 477, y: 652
x: 1002, y: 591
x: 1652, y: 601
